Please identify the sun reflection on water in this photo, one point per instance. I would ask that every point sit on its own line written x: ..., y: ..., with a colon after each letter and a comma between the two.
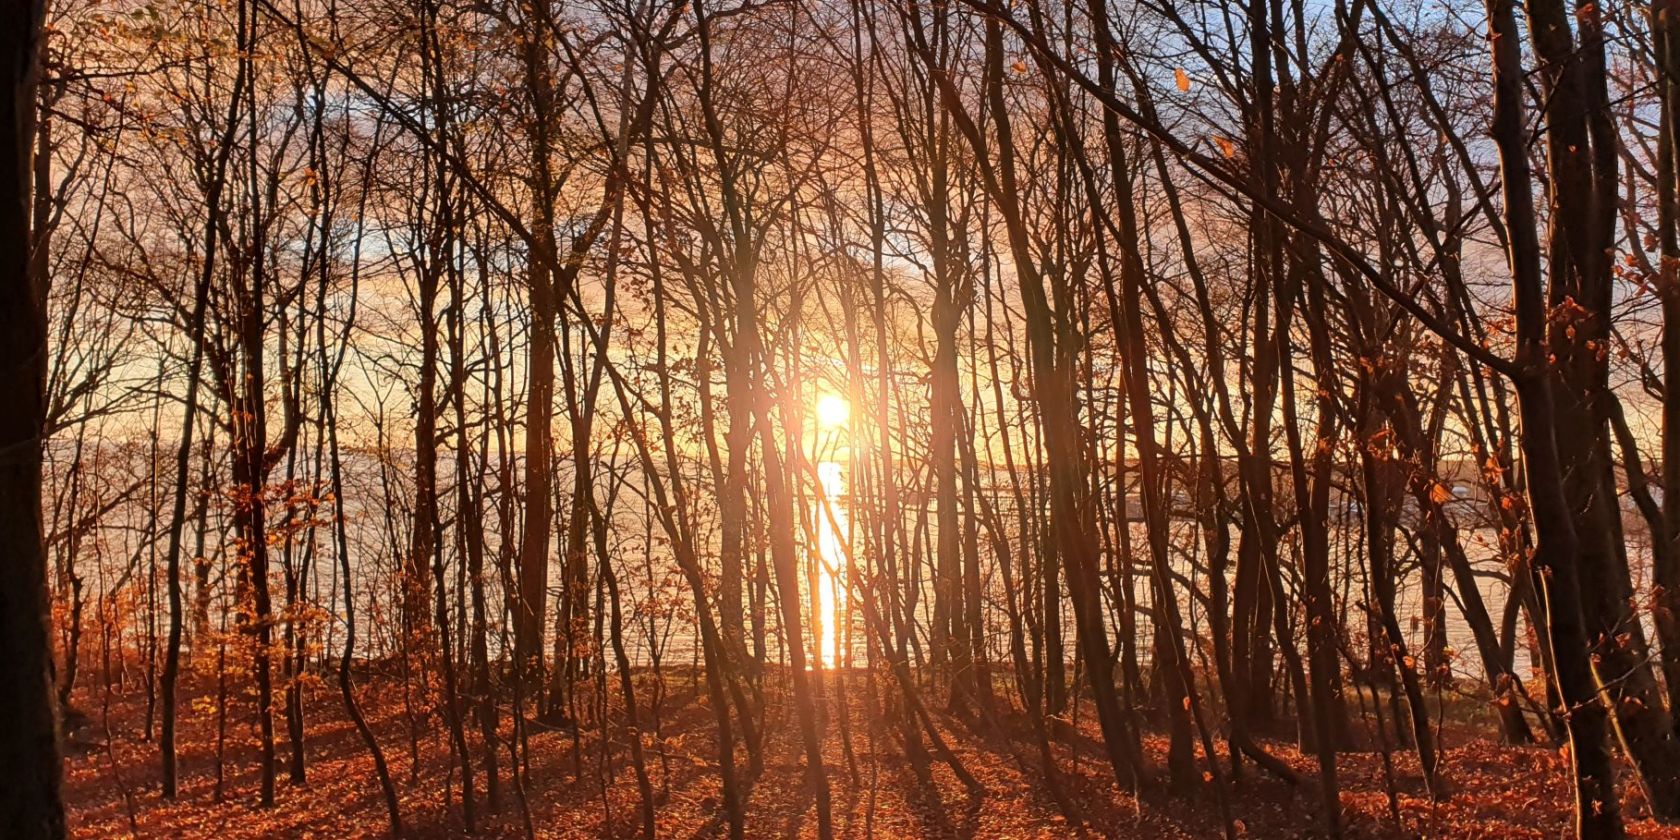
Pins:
x: 831, y: 594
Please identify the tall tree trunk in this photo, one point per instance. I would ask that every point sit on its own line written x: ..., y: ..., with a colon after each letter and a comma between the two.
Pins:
x: 246, y: 393
x: 1581, y: 159
x: 183, y: 451
x: 1665, y: 26
x: 532, y: 592
x: 30, y: 769
x: 1556, y: 551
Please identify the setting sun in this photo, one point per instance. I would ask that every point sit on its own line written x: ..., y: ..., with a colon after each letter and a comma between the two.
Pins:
x: 832, y: 411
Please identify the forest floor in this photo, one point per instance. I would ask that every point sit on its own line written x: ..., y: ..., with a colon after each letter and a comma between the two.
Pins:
x: 113, y: 780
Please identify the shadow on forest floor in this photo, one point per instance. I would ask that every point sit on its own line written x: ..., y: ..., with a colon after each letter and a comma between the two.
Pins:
x: 112, y: 785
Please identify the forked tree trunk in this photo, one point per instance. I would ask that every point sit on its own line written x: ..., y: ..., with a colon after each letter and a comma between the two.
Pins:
x: 1556, y: 551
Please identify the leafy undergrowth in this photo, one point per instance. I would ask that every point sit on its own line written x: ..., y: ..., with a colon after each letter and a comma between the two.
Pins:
x: 113, y: 780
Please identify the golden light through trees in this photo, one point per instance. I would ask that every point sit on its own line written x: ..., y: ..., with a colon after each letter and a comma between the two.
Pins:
x: 483, y: 399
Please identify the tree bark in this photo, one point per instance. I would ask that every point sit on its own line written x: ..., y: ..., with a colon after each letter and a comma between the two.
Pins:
x: 30, y: 768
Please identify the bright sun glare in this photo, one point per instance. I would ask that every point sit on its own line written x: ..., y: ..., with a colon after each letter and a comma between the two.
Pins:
x: 833, y: 410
